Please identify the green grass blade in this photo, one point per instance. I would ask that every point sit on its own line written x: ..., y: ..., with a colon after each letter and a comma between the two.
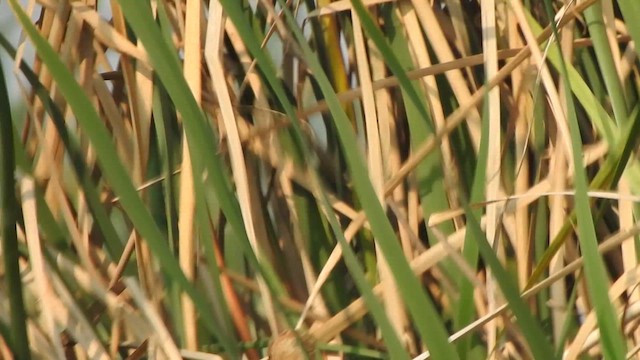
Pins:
x: 470, y: 252
x: 162, y: 111
x: 113, y: 244
x: 201, y: 138
x: 411, y: 91
x: 615, y: 162
x: 630, y: 10
x: 597, y: 32
x: 9, y: 212
x: 54, y: 234
x: 613, y: 344
x: 392, y: 341
x: 419, y: 306
x: 531, y: 330
x: 429, y: 173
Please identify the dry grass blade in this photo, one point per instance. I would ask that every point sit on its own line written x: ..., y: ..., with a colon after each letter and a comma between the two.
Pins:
x: 186, y: 222
x: 213, y: 50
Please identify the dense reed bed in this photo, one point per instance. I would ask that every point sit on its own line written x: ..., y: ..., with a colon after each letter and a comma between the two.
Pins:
x: 376, y: 179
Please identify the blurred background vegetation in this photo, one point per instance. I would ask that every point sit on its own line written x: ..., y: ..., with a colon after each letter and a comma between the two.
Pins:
x: 376, y: 179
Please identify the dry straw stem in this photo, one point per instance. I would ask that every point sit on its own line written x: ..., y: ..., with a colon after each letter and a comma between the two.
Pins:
x: 186, y: 224
x: 213, y: 50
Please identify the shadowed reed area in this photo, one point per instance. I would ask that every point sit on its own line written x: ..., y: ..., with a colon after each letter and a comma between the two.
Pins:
x: 366, y: 179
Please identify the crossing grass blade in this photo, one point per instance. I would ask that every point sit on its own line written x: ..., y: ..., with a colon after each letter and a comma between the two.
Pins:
x: 597, y: 114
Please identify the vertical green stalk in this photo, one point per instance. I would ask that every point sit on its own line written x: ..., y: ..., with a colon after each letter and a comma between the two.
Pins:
x: 595, y: 22
x: 630, y: 10
x: 466, y: 311
x: 612, y: 340
x: 19, y: 342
